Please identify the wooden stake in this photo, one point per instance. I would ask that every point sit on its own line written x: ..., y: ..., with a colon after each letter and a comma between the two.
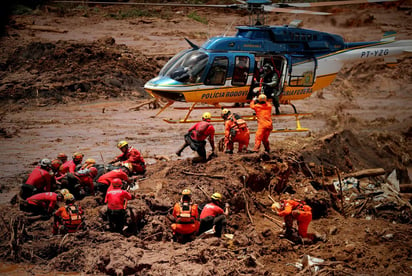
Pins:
x: 341, y: 191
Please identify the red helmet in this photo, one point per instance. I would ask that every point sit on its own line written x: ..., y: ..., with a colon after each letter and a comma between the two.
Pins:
x: 56, y: 163
x: 117, y: 183
x: 78, y: 156
x: 62, y: 156
x: 92, y: 172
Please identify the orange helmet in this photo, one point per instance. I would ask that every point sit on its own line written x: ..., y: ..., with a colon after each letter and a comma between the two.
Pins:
x: 117, y: 183
x: 262, y: 98
x: 186, y: 192
x: 62, y: 156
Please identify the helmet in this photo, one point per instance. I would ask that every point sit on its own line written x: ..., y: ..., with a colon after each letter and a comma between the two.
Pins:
x: 92, y: 172
x: 216, y: 196
x: 64, y: 192
x: 69, y: 197
x: 206, y: 116
x: 60, y: 196
x: 276, y: 207
x: 186, y: 192
x: 90, y: 161
x: 262, y: 98
x: 45, y: 162
x: 128, y: 166
x: 225, y: 113
x: 56, y: 163
x: 78, y: 156
x: 62, y: 156
x: 122, y: 144
x: 117, y: 183
x: 267, y: 67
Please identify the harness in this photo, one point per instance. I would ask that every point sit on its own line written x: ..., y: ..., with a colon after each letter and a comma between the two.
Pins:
x: 302, y: 206
x: 185, y: 215
x: 75, y: 219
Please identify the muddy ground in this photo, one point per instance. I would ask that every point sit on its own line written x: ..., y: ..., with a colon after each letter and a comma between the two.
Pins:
x: 78, y: 87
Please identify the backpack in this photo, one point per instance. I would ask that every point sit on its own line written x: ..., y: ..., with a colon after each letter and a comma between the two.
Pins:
x: 240, y: 125
x: 75, y: 220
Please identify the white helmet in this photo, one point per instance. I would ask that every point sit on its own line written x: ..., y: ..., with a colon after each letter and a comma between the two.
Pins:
x: 45, y: 162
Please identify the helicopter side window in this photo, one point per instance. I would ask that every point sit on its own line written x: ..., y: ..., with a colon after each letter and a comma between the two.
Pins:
x: 303, y: 72
x: 241, y: 71
x: 188, y: 67
x: 218, y: 71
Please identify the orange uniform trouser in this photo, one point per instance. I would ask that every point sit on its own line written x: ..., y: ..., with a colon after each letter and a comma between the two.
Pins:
x: 185, y: 229
x: 262, y: 136
x: 303, y: 218
x: 242, y: 138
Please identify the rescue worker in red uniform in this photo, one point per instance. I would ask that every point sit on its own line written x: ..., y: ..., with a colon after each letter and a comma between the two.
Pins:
x: 213, y: 216
x: 104, y: 181
x: 116, y: 200
x: 42, y: 203
x: 40, y: 180
x: 186, y: 217
x: 80, y: 183
x: 62, y: 157
x: 68, y: 218
x: 90, y: 162
x: 70, y: 166
x: 236, y: 131
x: 196, y: 136
x: 132, y: 156
x: 263, y: 111
x: 292, y: 210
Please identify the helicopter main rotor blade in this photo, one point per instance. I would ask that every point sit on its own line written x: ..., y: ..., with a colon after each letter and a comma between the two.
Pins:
x: 232, y: 6
x: 332, y: 3
x: 284, y: 10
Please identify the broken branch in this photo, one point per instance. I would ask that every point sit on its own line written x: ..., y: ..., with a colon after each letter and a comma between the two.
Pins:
x: 204, y: 174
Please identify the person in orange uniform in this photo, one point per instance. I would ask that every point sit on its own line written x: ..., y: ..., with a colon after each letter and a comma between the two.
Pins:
x: 42, y: 203
x: 186, y: 215
x: 291, y: 210
x: 132, y: 156
x: 263, y: 111
x: 213, y: 216
x: 70, y: 166
x: 40, y: 180
x: 68, y: 218
x: 116, y: 200
x: 236, y: 131
x: 197, y: 135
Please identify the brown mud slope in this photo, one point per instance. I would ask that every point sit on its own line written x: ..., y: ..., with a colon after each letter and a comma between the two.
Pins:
x: 78, y: 91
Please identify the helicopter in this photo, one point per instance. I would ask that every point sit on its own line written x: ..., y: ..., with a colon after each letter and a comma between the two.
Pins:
x: 226, y: 69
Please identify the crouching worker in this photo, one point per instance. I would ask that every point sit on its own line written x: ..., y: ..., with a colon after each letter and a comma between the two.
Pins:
x: 116, y: 200
x: 213, y: 216
x: 42, y: 204
x: 292, y: 210
x: 68, y: 218
x: 186, y: 223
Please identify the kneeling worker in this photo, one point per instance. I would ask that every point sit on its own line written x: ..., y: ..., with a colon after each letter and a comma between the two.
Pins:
x: 295, y: 210
x: 69, y: 218
x: 213, y: 216
x: 186, y: 216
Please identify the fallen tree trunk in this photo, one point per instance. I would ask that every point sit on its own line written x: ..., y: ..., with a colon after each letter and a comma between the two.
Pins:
x: 45, y: 29
x: 366, y: 173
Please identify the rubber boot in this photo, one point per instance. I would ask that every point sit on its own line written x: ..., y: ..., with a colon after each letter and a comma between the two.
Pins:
x: 277, y: 110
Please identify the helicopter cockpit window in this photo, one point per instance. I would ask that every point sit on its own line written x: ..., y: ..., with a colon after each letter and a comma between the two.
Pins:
x: 188, y: 67
x: 218, y: 71
x: 303, y: 71
x: 241, y: 71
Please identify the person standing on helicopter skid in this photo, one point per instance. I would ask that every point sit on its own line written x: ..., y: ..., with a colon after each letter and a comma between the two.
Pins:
x: 196, y: 136
x: 263, y: 111
x: 132, y: 156
x: 186, y: 218
x: 270, y: 82
x: 236, y: 131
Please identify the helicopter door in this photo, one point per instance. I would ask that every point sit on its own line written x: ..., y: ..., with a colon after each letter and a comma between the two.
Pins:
x: 242, y: 67
x: 302, y: 71
x: 218, y: 71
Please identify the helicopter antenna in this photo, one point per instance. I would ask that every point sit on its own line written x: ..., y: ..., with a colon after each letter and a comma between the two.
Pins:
x: 229, y: 27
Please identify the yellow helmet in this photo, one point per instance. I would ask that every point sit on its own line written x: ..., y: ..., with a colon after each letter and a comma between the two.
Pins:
x: 78, y: 156
x: 69, y: 197
x: 262, y: 98
x: 276, y: 207
x: 206, y: 116
x: 186, y: 192
x: 64, y: 192
x: 122, y: 144
x: 225, y: 113
x: 216, y: 196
